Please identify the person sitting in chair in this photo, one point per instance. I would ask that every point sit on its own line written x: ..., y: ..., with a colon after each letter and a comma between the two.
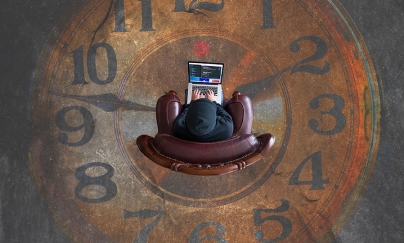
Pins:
x: 203, y: 120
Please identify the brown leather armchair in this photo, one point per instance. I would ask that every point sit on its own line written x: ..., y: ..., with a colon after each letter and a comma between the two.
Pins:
x: 241, y: 150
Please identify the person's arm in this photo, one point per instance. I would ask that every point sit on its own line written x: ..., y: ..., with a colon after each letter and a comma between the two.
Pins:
x: 224, y: 123
x: 179, y: 122
x: 222, y: 114
x: 179, y: 127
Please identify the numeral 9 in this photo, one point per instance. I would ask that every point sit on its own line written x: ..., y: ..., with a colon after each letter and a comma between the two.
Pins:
x: 88, y: 125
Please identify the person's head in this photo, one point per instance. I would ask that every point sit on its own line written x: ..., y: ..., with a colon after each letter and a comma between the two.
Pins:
x: 201, y: 117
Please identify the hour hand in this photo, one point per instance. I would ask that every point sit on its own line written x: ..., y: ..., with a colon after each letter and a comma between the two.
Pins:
x: 252, y: 89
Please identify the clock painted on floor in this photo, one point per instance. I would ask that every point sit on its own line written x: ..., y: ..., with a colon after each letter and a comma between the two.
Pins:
x: 303, y: 64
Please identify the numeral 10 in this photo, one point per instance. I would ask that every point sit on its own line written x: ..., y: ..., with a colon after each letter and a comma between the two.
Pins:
x: 147, y: 19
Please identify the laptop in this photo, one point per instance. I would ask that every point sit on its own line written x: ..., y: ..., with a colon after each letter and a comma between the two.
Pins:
x: 204, y: 76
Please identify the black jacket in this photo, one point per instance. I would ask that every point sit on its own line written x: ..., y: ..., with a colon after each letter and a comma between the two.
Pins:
x: 203, y: 111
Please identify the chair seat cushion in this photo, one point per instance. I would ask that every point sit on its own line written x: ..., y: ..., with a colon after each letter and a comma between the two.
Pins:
x: 225, y: 151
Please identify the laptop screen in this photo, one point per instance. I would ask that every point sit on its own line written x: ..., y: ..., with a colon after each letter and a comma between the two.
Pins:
x: 205, y: 72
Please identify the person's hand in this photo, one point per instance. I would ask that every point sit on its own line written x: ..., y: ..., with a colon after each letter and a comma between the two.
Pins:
x: 210, y: 95
x: 196, y: 94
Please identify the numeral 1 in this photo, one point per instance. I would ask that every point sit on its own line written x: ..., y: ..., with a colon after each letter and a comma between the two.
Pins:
x: 147, y: 21
x: 179, y: 6
x: 119, y: 16
x: 268, y: 18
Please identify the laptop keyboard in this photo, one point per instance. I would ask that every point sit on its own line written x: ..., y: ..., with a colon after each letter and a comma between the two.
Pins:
x: 204, y: 89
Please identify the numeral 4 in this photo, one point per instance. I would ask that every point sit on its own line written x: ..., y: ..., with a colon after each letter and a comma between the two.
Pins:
x: 316, y: 172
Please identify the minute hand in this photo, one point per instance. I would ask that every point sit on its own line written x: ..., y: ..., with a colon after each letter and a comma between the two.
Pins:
x: 108, y: 102
x: 252, y: 89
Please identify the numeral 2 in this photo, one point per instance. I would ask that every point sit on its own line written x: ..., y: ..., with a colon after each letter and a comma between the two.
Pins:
x: 321, y: 50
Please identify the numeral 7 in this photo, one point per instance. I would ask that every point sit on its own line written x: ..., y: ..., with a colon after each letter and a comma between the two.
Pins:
x: 144, y: 214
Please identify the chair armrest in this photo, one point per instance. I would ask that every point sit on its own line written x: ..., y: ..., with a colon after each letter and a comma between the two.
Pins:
x: 168, y: 107
x: 241, y: 110
x: 267, y: 141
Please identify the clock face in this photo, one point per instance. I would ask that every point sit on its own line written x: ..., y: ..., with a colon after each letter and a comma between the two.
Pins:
x: 302, y: 63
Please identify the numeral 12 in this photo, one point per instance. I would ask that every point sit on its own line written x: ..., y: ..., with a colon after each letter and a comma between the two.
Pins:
x: 147, y: 19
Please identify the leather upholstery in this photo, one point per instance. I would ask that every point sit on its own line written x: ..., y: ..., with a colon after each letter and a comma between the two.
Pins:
x: 205, y: 153
x: 241, y: 110
x: 168, y: 108
x: 215, y: 158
